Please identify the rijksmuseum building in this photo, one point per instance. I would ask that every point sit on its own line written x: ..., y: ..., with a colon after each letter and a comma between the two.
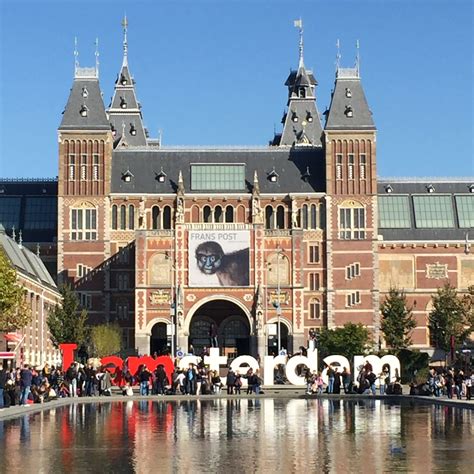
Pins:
x: 177, y: 244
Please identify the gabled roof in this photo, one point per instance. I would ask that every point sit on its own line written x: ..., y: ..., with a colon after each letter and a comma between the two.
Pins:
x: 25, y: 261
x: 348, y: 96
x: 85, y: 94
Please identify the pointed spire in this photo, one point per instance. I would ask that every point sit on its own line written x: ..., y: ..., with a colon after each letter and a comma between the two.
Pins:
x: 125, y: 43
x: 76, y: 56
x: 256, y: 186
x: 37, y: 249
x: 299, y: 24
x: 13, y: 233
x: 357, y: 64
x: 180, y: 183
x: 97, y: 57
x: 338, y: 54
x: 20, y: 239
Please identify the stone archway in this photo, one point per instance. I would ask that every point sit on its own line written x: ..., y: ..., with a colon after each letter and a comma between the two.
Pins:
x: 229, y: 320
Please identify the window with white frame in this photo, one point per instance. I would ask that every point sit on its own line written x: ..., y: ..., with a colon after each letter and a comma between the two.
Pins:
x: 352, y: 271
x: 313, y: 253
x: 339, y: 166
x: 353, y: 299
x: 350, y: 166
x: 352, y: 222
x: 82, y: 270
x: 313, y: 281
x: 72, y: 167
x: 95, y: 167
x: 83, y: 167
x: 314, y: 309
x: 363, y: 164
x: 84, y: 224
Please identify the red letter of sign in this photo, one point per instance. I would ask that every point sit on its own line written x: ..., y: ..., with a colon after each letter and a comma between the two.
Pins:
x: 68, y: 354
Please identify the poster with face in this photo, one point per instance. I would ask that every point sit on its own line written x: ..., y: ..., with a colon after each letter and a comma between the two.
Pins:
x: 219, y: 258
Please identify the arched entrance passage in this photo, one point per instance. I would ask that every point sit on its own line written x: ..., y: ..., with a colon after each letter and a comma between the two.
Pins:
x: 273, y: 339
x: 230, y: 323
x: 159, y: 341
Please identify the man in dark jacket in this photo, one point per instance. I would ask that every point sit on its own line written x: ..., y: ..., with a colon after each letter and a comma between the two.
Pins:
x: 3, y: 382
x: 25, y: 384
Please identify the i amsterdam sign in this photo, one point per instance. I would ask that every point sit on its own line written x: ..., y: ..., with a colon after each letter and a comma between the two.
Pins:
x: 242, y: 363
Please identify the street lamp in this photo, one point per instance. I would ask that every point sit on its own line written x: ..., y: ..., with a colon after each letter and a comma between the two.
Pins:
x: 278, y: 305
x: 172, y: 305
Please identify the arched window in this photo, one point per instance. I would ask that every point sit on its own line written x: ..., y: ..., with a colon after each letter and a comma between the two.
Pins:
x: 314, y: 217
x: 229, y: 214
x: 123, y: 217
x: 304, y: 212
x: 218, y: 216
x: 269, y: 217
x: 155, y: 217
x: 114, y: 217
x: 131, y: 217
x: 280, y: 217
x: 167, y: 217
x: 206, y: 214
x: 314, y: 309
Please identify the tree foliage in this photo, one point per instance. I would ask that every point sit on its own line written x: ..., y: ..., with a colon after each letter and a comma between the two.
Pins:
x: 468, y: 303
x: 348, y: 341
x: 449, y: 317
x: 15, y: 313
x: 106, y: 340
x: 397, y: 320
x: 67, y: 323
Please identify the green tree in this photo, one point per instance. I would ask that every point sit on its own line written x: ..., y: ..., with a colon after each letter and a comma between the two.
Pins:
x: 448, y: 317
x: 106, y: 340
x: 397, y: 320
x: 67, y: 322
x: 348, y: 341
x: 468, y: 303
x: 15, y: 313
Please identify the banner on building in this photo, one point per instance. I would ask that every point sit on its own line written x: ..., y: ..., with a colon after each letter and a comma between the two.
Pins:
x: 219, y: 258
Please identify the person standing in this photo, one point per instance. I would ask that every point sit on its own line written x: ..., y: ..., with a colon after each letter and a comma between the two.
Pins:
x: 3, y: 383
x: 230, y: 382
x: 71, y: 379
x: 331, y: 377
x: 213, y: 335
x: 26, y: 376
x: 346, y: 380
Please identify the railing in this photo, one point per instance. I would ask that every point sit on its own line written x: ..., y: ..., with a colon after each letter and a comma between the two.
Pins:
x: 28, y: 180
x: 277, y: 232
x: 347, y: 72
x: 219, y: 226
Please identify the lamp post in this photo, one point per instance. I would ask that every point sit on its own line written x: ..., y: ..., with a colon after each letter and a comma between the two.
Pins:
x: 172, y: 306
x: 278, y: 308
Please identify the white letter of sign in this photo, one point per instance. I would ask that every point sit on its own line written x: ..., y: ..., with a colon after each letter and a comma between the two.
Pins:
x: 311, y: 362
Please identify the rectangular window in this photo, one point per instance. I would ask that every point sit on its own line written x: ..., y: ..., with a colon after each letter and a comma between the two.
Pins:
x: 352, y: 223
x: 82, y: 271
x: 83, y: 224
x: 72, y: 167
x: 123, y: 254
x: 339, y: 166
x: 314, y: 254
x: 352, y: 271
x: 353, y: 299
x: 218, y: 177
x: 123, y: 281
x: 363, y: 163
x: 95, y: 169
x: 433, y: 212
x: 122, y: 311
x: 85, y: 300
x: 350, y: 169
x: 394, y: 212
x: 314, y: 281
x: 314, y: 310
x: 465, y: 208
x: 83, y: 167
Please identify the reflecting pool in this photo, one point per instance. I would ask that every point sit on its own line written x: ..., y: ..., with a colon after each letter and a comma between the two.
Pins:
x: 240, y: 435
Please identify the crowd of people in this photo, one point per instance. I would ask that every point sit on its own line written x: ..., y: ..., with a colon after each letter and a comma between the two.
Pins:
x: 452, y: 383
x: 34, y: 385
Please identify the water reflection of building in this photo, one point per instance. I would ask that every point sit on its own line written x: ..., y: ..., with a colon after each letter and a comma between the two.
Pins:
x: 242, y: 434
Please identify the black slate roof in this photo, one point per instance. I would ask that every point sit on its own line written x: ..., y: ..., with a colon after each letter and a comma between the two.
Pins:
x: 348, y: 84
x: 85, y: 92
x: 291, y: 165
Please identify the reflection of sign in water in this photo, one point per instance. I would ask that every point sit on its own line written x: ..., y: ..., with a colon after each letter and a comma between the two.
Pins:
x: 219, y: 258
x: 437, y: 271
x: 160, y: 297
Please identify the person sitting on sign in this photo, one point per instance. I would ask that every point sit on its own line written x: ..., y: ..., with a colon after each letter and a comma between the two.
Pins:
x: 213, y: 335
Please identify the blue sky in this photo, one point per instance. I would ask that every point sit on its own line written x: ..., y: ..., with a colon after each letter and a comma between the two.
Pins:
x: 212, y: 72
